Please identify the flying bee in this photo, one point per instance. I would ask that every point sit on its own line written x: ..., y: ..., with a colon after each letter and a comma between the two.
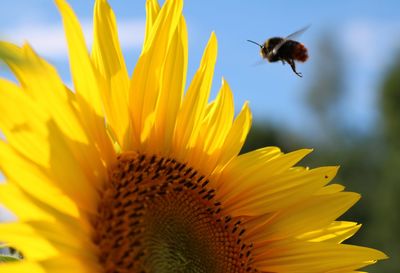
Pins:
x: 284, y: 50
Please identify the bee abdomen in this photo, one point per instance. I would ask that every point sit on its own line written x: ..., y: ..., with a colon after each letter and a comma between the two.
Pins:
x: 300, y: 53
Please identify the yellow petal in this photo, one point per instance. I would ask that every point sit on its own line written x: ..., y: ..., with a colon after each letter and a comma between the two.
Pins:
x: 236, y: 136
x: 68, y: 264
x: 23, y: 123
x: 332, y: 188
x: 248, y: 172
x: 21, y: 267
x: 317, y: 257
x: 280, y: 191
x: 194, y: 104
x: 213, y: 132
x: 24, y: 238
x: 173, y: 78
x: 20, y: 205
x: 40, y: 81
x: 83, y: 75
x: 68, y: 174
x: 68, y: 239
x: 314, y: 213
x: 43, y: 90
x: 145, y: 83
x: 152, y: 11
x: 148, y: 127
x: 64, y: 174
x: 336, y: 232
x: 220, y: 120
x: 85, y: 80
x: 76, y: 230
x: 108, y: 60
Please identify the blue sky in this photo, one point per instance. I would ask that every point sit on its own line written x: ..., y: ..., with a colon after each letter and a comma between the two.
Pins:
x: 367, y: 34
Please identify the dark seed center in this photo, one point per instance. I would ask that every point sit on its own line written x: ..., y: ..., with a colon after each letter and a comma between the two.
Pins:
x: 157, y: 215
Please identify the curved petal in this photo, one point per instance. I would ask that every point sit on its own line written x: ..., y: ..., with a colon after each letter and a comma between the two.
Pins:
x: 44, y: 97
x: 152, y: 10
x: 308, y: 215
x: 40, y: 81
x: 316, y: 257
x: 145, y: 83
x: 22, y: 267
x: 236, y: 137
x: 23, y: 209
x: 86, y: 81
x: 194, y: 103
x: 280, y: 191
x: 24, y: 238
x: 250, y: 170
x: 108, y: 60
x: 336, y: 232
x: 24, y: 124
x: 173, y: 78
x: 214, y: 130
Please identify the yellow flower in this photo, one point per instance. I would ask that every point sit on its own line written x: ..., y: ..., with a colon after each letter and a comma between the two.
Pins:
x: 129, y: 174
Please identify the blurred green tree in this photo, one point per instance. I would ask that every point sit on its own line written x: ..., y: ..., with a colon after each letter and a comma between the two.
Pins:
x: 326, y: 91
x: 387, y: 216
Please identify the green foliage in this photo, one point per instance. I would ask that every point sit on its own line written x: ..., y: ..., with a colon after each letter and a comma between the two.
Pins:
x: 8, y: 258
x: 387, y: 223
x: 8, y: 254
x: 390, y: 103
x: 326, y: 92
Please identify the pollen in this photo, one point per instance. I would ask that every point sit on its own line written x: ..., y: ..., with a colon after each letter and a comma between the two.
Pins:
x: 157, y: 215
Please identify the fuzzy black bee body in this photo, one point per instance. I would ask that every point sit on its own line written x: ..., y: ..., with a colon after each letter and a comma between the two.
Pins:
x: 284, y: 50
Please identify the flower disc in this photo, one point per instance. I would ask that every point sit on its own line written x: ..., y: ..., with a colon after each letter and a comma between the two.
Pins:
x: 158, y: 215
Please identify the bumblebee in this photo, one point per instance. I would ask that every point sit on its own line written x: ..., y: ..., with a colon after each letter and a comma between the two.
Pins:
x: 285, y: 50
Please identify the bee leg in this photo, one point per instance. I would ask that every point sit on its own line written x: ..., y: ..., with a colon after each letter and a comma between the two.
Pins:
x: 283, y: 62
x: 293, y: 66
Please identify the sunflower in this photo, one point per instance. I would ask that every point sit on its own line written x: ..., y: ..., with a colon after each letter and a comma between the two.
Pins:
x: 132, y: 174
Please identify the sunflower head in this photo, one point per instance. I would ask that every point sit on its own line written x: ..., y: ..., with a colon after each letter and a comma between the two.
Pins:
x: 129, y: 174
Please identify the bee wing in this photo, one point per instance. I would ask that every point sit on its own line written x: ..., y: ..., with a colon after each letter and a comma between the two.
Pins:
x: 297, y: 33
x: 289, y: 37
x: 259, y: 62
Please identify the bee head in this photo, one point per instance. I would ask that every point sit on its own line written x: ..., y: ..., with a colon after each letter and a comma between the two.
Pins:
x: 266, y: 44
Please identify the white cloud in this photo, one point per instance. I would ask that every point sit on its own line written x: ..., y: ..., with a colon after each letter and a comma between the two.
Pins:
x: 369, y: 47
x: 6, y: 215
x: 49, y: 41
x: 131, y: 33
x: 370, y: 43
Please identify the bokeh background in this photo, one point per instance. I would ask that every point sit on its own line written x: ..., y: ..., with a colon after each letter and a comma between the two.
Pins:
x: 346, y: 107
